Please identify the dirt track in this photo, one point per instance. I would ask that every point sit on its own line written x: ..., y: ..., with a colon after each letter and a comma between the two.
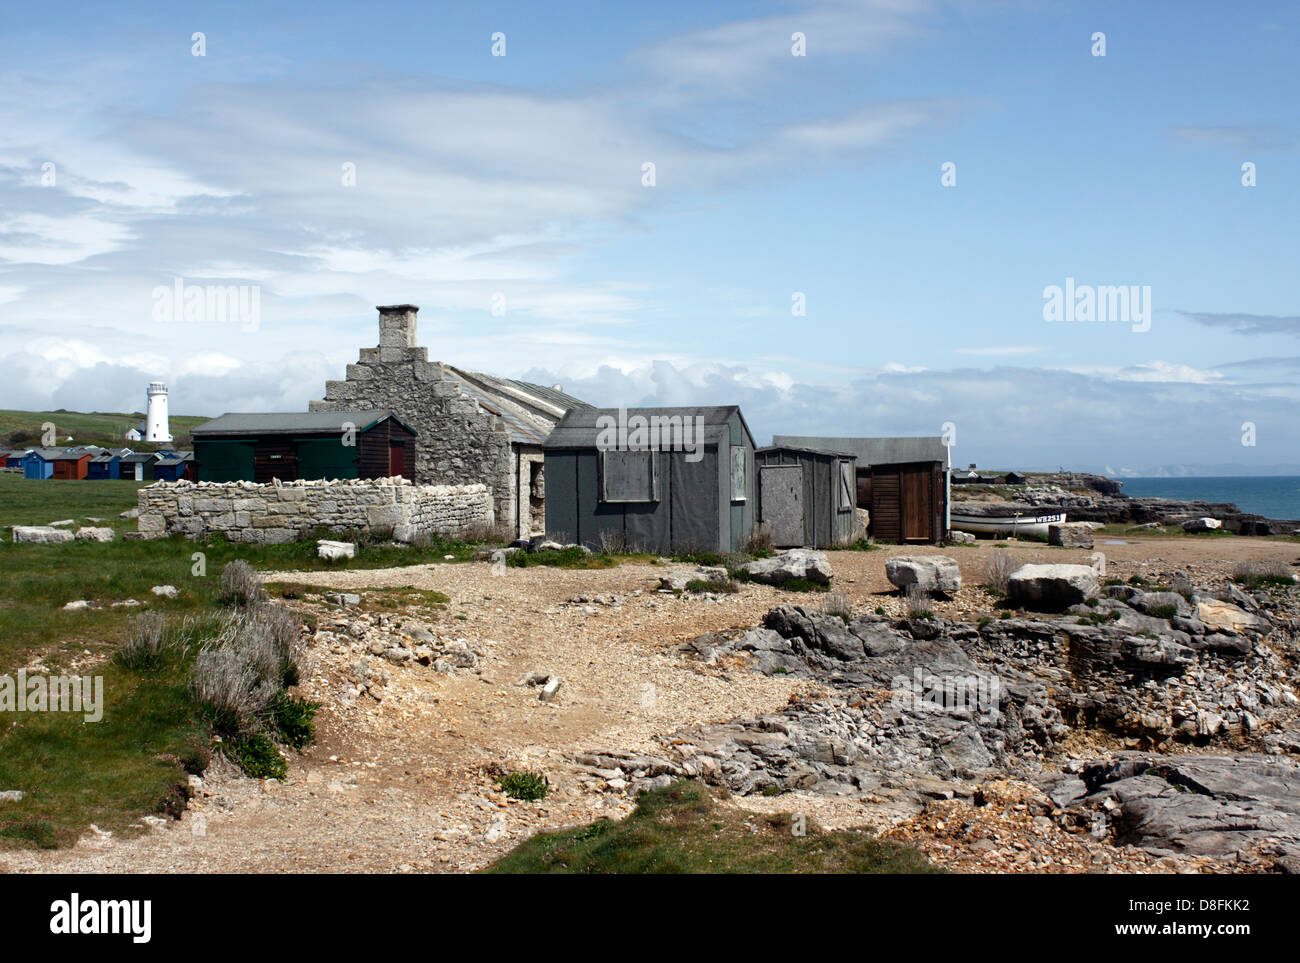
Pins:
x: 399, y: 785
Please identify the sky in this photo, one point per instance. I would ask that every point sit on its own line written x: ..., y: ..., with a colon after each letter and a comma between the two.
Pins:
x: 856, y: 212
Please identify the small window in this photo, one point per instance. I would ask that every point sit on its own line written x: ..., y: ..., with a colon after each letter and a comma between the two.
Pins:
x: 628, y: 476
x: 848, y: 486
x: 737, y: 474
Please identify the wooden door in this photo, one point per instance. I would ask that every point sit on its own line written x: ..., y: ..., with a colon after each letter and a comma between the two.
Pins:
x: 781, y: 495
x: 885, y: 506
x: 398, y: 462
x: 916, y: 499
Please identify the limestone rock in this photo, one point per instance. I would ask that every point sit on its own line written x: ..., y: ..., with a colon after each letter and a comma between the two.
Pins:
x: 795, y: 563
x: 95, y: 534
x: 1070, y: 535
x: 1226, y: 617
x: 1055, y: 585
x: 334, y: 551
x: 41, y: 534
x: 929, y: 573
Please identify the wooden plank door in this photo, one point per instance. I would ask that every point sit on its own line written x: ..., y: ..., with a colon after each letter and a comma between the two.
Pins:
x: 781, y: 495
x: 916, y: 504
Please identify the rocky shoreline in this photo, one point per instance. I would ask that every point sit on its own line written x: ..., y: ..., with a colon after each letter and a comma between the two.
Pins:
x: 1144, y: 717
x: 1096, y: 498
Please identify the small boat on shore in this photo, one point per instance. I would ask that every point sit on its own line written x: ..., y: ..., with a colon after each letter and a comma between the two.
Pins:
x: 1004, y: 519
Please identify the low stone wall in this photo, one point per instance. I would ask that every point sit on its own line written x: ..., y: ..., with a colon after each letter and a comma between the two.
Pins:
x: 287, y: 511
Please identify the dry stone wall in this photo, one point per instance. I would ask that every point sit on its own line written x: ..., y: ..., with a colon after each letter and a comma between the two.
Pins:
x: 284, y: 512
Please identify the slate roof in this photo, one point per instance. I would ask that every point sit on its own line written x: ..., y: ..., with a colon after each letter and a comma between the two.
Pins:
x: 529, y: 411
x: 291, y: 422
x: 875, y: 451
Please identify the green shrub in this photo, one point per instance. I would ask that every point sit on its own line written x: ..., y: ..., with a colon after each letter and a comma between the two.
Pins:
x: 524, y: 784
x: 294, y: 719
x: 258, y: 756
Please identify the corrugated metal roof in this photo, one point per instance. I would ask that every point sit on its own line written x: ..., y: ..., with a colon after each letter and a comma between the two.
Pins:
x: 139, y: 457
x: 579, y: 428
x: 181, y: 456
x: 874, y: 451
x: 292, y: 422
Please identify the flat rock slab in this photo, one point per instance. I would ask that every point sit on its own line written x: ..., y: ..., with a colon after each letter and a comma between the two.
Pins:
x: 1202, y: 805
x: 1226, y: 617
x: 334, y: 551
x: 929, y: 573
x: 796, y: 563
x: 41, y: 534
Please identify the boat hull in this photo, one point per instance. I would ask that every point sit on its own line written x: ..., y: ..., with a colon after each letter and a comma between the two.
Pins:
x: 1006, y: 525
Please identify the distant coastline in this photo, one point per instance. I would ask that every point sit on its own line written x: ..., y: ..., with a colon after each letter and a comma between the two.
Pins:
x: 1273, y: 496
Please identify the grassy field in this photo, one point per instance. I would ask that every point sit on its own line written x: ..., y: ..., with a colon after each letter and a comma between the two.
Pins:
x: 24, y: 427
x: 683, y: 829
x: 135, y: 761
x: 31, y: 501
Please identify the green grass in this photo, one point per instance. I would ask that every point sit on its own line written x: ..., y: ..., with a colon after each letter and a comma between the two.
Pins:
x: 683, y: 829
x: 110, y: 772
x: 571, y: 557
x: 131, y: 762
x: 30, y: 501
x: 23, y: 428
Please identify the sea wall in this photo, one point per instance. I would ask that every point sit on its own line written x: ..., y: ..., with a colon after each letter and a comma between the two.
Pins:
x: 287, y: 511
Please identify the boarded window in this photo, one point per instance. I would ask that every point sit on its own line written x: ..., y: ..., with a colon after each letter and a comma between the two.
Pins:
x: 737, y: 474
x: 848, y: 486
x: 628, y: 476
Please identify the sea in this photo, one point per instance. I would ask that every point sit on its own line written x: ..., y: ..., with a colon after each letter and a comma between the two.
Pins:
x: 1273, y: 496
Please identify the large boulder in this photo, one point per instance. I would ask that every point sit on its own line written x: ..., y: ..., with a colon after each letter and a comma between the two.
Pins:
x: 41, y: 534
x: 929, y: 573
x: 1053, y: 585
x: 1070, y: 535
x: 796, y: 563
x: 1202, y: 525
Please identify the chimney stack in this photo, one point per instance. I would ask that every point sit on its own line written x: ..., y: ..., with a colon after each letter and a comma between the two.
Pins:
x: 397, y: 325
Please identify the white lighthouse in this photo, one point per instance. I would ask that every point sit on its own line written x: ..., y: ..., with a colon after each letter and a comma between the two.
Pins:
x: 155, y: 421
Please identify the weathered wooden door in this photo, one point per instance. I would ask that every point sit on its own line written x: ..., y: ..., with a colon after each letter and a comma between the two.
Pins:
x: 781, y: 492
x: 397, y: 460
x: 886, y: 524
x: 916, y: 504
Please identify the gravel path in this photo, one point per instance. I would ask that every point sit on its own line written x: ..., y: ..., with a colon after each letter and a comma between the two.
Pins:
x: 400, y: 785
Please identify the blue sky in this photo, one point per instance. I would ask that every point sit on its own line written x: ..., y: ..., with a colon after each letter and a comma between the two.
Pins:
x: 519, y: 178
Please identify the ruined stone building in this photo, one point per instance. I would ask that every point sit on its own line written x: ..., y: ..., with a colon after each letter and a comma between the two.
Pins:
x: 471, y: 427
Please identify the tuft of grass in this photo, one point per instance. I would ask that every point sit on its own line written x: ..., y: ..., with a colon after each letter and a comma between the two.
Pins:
x: 571, y: 557
x: 997, y: 572
x: 1262, y: 574
x: 524, y: 784
x: 684, y: 829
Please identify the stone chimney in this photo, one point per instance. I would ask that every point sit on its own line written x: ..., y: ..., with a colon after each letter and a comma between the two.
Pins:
x: 397, y: 325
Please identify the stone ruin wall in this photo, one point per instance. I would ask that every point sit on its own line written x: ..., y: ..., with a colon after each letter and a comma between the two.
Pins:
x: 457, y: 443
x: 245, y: 511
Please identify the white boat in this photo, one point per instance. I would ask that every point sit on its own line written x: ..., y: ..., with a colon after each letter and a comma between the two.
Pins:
x: 1019, y: 523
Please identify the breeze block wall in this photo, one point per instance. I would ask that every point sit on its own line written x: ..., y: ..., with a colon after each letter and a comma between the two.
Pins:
x: 245, y: 511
